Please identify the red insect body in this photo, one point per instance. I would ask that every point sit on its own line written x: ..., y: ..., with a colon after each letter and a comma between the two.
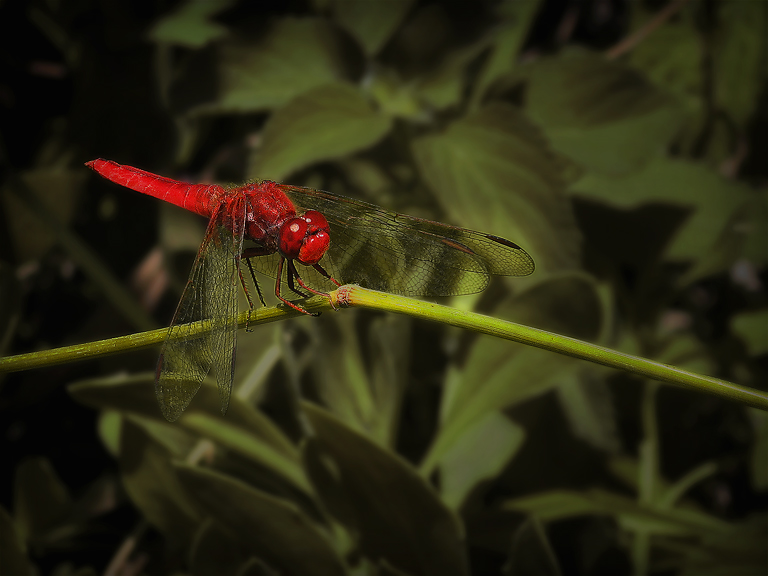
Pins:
x: 285, y: 224
x: 197, y: 198
x: 270, y: 217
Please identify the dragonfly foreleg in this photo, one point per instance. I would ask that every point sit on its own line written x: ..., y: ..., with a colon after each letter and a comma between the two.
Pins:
x: 324, y: 273
x: 290, y: 284
x: 293, y: 272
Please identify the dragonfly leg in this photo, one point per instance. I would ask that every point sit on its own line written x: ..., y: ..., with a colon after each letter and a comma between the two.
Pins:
x: 324, y: 273
x: 291, y: 275
x: 247, y: 294
x: 255, y: 281
x: 293, y: 272
x: 290, y: 282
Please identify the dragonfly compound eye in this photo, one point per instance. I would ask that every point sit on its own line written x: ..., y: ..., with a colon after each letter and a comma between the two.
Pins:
x: 292, y: 236
x: 315, y: 220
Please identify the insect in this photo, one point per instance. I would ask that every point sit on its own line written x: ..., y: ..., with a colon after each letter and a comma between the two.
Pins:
x: 307, y: 240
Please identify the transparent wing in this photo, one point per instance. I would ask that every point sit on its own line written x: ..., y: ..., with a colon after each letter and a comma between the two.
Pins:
x: 401, y: 254
x: 210, y: 296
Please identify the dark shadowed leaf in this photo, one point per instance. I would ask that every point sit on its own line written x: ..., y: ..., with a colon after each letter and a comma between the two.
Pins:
x: 758, y: 462
x: 507, y: 41
x: 370, y: 23
x: 739, y: 57
x: 325, y: 123
x: 444, y: 86
x: 756, y: 245
x: 493, y: 171
x: 671, y: 59
x: 59, y: 191
x: 715, y: 232
x: 396, y: 513
x: 215, y: 550
x: 752, y: 328
x: 10, y: 305
x: 587, y: 403
x: 293, y: 56
x: 151, y: 482
x: 740, y: 551
x: 13, y: 553
x: 273, y: 529
x: 531, y: 552
x: 605, y: 116
x: 41, y: 500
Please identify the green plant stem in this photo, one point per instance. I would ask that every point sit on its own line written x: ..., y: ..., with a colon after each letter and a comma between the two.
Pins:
x: 142, y: 340
x: 355, y: 296
x: 350, y: 295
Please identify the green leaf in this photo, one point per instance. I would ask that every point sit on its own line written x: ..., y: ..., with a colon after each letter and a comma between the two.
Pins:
x: 752, y: 328
x: 606, y: 117
x: 398, y: 516
x: 444, y: 87
x: 326, y: 123
x: 370, y: 23
x: 562, y: 504
x: 740, y: 551
x: 339, y: 369
x: 714, y: 233
x: 394, y: 96
x: 497, y: 374
x: 672, y: 56
x: 492, y: 171
x: 756, y: 246
x: 286, y: 466
x: 293, y: 56
x: 469, y: 461
x: 390, y: 355
x: 41, y: 500
x: 739, y: 57
x: 759, y: 458
x: 13, y: 553
x: 109, y: 424
x: 151, y: 482
x: 274, y: 530
x: 135, y: 394
x: 190, y: 24
x: 507, y: 42
x: 531, y: 552
x: 587, y: 403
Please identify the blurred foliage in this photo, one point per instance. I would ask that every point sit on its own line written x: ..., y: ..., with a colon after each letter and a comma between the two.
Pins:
x: 364, y: 443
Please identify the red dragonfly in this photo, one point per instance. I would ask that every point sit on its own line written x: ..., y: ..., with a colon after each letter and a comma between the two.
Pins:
x: 272, y: 227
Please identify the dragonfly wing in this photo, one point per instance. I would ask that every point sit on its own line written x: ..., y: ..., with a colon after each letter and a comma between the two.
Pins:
x: 401, y: 254
x: 209, y: 296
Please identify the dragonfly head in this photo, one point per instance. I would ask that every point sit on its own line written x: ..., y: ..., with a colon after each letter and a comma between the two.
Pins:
x: 305, y: 238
